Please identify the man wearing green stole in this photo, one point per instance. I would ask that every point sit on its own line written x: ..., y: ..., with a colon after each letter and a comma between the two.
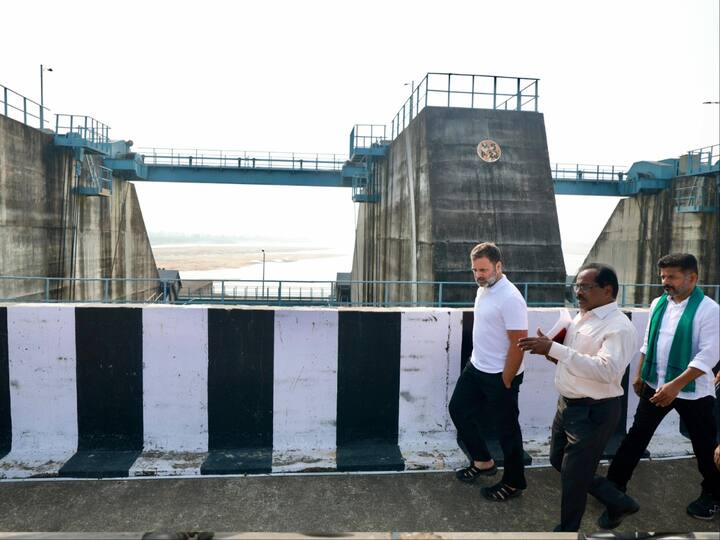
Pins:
x: 681, y: 347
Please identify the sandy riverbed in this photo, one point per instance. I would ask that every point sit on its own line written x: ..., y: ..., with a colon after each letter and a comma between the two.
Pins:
x: 210, y: 257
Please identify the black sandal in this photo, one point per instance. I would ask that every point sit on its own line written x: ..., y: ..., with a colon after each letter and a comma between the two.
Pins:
x: 470, y: 474
x: 500, y: 492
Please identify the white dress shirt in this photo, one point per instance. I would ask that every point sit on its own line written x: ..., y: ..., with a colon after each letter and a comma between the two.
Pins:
x: 705, y: 348
x: 597, y: 350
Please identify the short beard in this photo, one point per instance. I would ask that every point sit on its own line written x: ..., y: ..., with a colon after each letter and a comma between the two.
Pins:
x: 489, y: 283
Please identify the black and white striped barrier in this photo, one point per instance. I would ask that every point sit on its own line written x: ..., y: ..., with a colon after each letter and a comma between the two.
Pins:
x: 116, y: 391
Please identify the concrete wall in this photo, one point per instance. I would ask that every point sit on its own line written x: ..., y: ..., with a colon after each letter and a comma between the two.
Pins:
x: 643, y: 228
x: 438, y: 199
x: 47, y: 230
x: 164, y: 390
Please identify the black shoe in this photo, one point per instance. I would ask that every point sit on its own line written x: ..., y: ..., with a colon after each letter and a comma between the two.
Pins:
x: 610, y: 520
x: 704, y: 507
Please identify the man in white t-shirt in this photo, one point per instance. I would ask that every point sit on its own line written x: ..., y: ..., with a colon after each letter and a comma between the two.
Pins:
x: 493, y: 376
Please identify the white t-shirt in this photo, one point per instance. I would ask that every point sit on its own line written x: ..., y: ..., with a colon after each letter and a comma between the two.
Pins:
x: 497, y: 309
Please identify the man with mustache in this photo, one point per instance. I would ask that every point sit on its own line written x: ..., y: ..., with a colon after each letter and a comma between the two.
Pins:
x: 681, y: 347
x: 591, y: 362
x: 492, y: 377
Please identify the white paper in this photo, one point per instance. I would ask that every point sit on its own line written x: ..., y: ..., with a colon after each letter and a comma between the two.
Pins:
x: 561, y: 324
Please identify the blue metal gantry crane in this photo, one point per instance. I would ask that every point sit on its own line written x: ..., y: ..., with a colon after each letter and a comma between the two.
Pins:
x: 90, y: 140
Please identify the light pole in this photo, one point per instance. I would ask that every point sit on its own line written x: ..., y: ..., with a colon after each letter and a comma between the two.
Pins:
x: 412, y: 92
x: 263, y: 272
x: 42, y: 97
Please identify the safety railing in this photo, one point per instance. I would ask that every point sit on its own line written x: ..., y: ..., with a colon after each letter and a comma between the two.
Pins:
x: 297, y: 293
x: 85, y: 127
x: 367, y: 136
x: 706, y: 159
x: 183, y: 157
x: 591, y: 173
x: 467, y: 91
x: 18, y: 107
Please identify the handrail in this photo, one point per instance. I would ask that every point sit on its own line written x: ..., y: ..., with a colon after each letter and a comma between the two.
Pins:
x: 468, y: 91
x: 589, y: 173
x: 703, y: 159
x: 25, y: 106
x: 185, y: 157
x: 301, y: 292
x: 86, y: 127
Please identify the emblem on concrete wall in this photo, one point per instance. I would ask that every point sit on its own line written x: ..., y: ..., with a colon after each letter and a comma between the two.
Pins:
x: 489, y: 150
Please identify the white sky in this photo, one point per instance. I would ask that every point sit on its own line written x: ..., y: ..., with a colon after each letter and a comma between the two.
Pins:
x: 621, y: 81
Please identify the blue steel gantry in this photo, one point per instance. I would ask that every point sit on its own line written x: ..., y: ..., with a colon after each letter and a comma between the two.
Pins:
x: 91, y: 144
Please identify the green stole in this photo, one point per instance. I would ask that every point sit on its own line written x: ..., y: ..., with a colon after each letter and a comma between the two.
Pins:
x: 681, y: 348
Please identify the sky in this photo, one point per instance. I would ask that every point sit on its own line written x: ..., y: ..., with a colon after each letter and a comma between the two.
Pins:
x: 619, y: 82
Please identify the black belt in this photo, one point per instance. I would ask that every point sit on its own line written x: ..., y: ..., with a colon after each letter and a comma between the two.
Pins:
x: 587, y: 400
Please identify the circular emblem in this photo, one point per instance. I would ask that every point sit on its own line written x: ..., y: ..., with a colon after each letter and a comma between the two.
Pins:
x: 489, y: 150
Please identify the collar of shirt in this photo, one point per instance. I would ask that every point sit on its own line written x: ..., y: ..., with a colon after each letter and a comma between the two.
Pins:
x: 498, y: 285
x: 602, y: 311
x: 672, y: 303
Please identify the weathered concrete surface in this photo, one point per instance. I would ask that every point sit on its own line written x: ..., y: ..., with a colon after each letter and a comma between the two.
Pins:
x: 438, y: 199
x: 389, y: 502
x: 48, y: 230
x: 645, y: 227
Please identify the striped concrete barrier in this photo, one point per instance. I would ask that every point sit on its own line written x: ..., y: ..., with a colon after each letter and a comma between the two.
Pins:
x: 114, y: 391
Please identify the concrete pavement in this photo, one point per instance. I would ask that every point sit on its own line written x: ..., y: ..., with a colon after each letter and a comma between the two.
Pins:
x: 334, y: 503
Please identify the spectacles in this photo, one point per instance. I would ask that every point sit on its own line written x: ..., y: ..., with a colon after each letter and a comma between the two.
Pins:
x: 584, y: 287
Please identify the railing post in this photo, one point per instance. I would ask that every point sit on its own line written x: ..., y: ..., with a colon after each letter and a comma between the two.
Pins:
x: 622, y: 294
x: 526, y: 292
x: 440, y: 287
x: 106, y: 295
x: 24, y: 110
x: 536, y: 95
x: 519, y: 101
x: 494, y: 93
x: 222, y: 291
x: 47, y: 290
x: 5, y: 99
x: 279, y: 293
x: 472, y: 93
x: 449, y: 75
x: 165, y: 294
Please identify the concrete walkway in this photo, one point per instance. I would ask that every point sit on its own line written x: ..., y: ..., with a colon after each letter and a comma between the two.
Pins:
x: 333, y: 503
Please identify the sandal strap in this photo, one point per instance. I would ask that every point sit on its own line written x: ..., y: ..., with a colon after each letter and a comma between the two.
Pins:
x: 501, y: 492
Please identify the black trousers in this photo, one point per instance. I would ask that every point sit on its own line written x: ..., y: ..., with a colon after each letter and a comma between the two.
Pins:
x: 477, y: 392
x: 580, y: 431
x: 699, y: 418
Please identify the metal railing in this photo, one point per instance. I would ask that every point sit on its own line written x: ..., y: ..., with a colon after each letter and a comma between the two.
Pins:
x: 706, y: 159
x: 467, y: 91
x: 591, y: 173
x: 18, y: 107
x: 295, y: 292
x: 85, y: 127
x: 367, y: 136
x: 183, y: 157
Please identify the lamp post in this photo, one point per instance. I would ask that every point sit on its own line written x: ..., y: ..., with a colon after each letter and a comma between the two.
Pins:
x: 42, y: 97
x: 263, y: 272
x: 412, y: 92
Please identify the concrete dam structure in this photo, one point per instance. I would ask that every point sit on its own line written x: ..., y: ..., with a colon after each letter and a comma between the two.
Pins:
x: 50, y: 229
x: 437, y: 198
x: 683, y: 217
